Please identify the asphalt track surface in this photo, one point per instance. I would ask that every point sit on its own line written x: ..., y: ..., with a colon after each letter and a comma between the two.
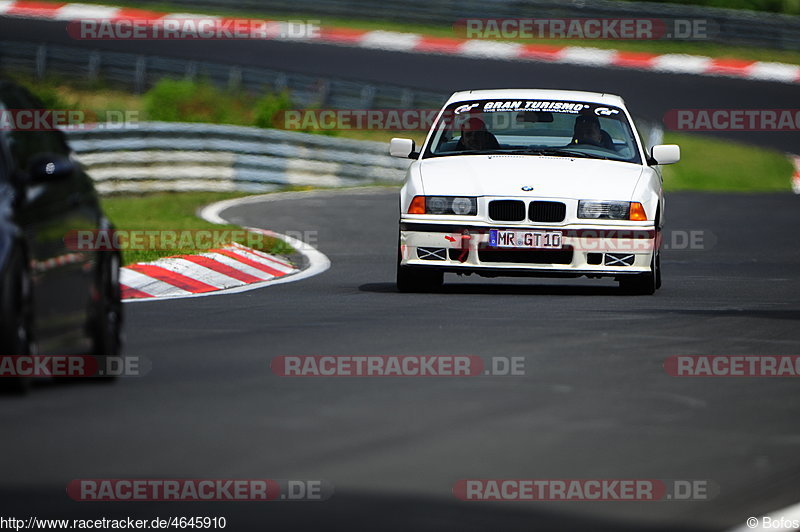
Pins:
x: 648, y: 94
x: 595, y: 401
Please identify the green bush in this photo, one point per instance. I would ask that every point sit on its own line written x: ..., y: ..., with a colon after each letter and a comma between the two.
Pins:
x: 50, y: 96
x: 173, y: 100
x: 268, y: 106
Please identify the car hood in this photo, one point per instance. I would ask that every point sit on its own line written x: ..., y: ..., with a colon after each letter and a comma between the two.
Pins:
x: 549, y: 177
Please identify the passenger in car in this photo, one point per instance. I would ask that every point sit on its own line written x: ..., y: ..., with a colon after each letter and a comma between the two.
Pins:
x: 587, y: 131
x: 475, y: 136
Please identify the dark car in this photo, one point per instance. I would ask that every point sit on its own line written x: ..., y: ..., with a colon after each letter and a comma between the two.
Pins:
x: 55, y: 301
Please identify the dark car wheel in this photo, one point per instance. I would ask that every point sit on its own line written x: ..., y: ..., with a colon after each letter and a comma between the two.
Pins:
x: 643, y: 284
x: 658, y: 270
x: 411, y: 279
x: 16, y: 310
x: 107, y: 340
x: 416, y: 280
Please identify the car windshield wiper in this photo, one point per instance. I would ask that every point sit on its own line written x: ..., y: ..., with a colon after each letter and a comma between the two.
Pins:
x: 557, y: 152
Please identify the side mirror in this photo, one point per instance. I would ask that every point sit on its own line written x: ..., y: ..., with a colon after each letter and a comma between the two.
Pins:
x: 403, y: 148
x: 50, y: 167
x: 665, y: 154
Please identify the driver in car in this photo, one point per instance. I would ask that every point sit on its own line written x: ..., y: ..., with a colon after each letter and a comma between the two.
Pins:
x: 587, y: 131
x: 475, y: 136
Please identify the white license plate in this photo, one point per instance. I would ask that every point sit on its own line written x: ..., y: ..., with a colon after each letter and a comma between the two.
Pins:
x: 499, y: 238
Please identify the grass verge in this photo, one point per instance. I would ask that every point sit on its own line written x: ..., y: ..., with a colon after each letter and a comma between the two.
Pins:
x: 713, y: 164
x: 176, y: 212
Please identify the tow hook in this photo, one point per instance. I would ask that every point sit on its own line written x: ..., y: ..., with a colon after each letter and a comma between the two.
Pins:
x: 465, y: 238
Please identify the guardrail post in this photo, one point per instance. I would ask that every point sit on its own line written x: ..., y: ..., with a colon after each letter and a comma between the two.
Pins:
x: 94, y: 65
x: 139, y: 75
x: 281, y: 83
x: 324, y: 91
x: 406, y: 99
x: 191, y: 70
x: 41, y: 61
x: 234, y: 78
x: 367, y: 96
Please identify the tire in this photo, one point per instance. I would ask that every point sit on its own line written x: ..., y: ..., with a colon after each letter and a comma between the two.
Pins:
x: 418, y: 280
x: 643, y: 284
x: 16, y: 312
x: 658, y: 270
x: 410, y: 279
x: 107, y: 334
x: 646, y: 284
x: 658, y: 248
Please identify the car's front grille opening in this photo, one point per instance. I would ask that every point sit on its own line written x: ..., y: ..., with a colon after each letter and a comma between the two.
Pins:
x: 527, y: 256
x: 432, y: 253
x: 547, y: 211
x: 619, y: 259
x: 594, y: 258
x: 507, y: 210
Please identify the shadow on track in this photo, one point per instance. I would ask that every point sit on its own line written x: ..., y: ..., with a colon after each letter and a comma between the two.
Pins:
x: 507, y: 289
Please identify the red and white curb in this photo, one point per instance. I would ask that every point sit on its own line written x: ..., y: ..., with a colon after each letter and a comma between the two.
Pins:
x: 796, y: 178
x: 226, y: 268
x: 417, y: 43
x: 231, y: 269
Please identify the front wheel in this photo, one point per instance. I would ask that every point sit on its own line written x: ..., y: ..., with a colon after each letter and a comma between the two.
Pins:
x: 16, y: 311
x: 107, y: 341
x: 418, y: 280
x: 411, y: 279
x: 643, y: 284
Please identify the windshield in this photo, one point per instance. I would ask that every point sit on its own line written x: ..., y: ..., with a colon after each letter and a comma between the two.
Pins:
x: 534, y: 127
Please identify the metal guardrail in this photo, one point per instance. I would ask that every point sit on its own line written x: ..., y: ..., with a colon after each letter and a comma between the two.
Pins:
x: 736, y: 27
x: 140, y: 72
x: 180, y: 156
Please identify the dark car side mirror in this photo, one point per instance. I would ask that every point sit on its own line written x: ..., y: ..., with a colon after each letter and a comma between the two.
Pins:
x: 50, y: 167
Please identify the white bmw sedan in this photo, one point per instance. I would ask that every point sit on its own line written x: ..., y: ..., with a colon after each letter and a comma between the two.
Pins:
x: 535, y: 183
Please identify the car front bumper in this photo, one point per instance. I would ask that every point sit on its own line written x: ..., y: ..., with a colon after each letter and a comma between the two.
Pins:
x: 592, y: 250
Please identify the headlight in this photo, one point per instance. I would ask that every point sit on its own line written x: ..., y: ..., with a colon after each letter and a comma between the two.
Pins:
x: 437, y: 205
x: 611, y: 210
x: 464, y: 206
x: 443, y: 205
